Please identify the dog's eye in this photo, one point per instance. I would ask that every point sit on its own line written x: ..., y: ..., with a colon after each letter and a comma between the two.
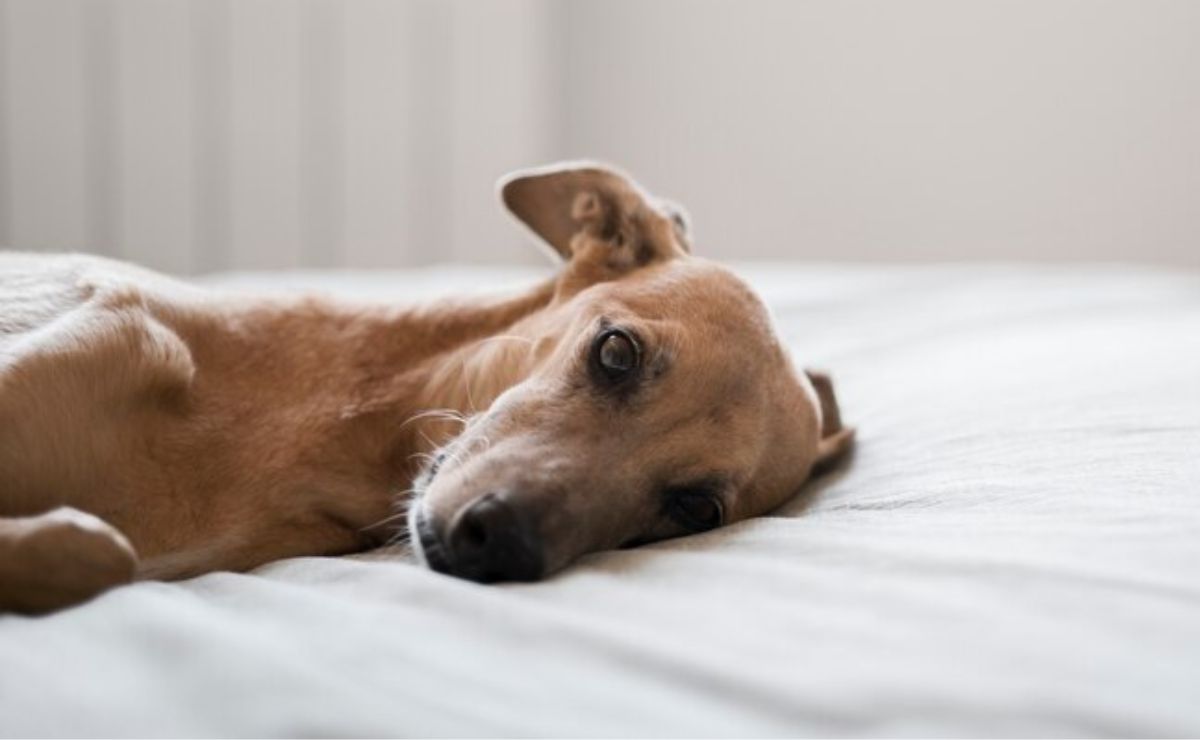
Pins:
x: 696, y: 510
x: 616, y: 355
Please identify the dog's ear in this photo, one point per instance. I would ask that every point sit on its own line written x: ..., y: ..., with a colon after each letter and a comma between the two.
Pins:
x: 574, y: 204
x: 836, y: 440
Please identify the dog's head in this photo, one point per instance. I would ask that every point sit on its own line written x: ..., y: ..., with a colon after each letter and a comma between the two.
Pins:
x: 660, y: 401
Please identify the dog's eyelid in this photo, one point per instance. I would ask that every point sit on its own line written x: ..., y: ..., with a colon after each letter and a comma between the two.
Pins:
x: 710, y: 485
x: 606, y: 325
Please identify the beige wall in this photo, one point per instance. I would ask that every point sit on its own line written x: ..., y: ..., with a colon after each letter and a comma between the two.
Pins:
x: 906, y: 130
x: 204, y: 134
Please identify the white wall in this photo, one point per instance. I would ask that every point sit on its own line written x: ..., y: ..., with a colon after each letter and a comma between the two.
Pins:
x: 194, y: 135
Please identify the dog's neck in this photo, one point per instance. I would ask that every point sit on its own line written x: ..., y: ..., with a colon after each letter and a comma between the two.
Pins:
x: 466, y: 380
x: 419, y: 372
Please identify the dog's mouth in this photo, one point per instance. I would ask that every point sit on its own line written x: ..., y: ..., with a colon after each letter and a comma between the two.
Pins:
x: 427, y: 545
x: 430, y: 545
x: 426, y: 476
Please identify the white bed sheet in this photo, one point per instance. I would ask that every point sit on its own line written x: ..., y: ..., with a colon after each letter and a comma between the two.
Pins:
x: 1014, y: 549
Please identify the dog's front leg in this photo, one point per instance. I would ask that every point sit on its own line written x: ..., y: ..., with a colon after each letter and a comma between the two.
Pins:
x: 58, y: 559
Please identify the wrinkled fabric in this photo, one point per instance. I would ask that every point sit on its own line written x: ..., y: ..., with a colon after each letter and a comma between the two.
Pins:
x: 1013, y: 549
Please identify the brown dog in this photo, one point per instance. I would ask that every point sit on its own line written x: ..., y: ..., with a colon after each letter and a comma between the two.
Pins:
x: 149, y: 429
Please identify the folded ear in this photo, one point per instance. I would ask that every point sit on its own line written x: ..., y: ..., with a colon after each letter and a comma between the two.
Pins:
x: 572, y: 204
x: 836, y: 440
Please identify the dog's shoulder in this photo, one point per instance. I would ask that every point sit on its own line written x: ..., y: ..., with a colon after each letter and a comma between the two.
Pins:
x: 87, y: 328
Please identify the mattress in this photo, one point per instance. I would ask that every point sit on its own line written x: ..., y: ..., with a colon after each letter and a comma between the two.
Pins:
x: 1013, y: 549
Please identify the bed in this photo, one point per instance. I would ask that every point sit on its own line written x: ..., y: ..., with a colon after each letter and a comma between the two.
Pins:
x: 1013, y: 549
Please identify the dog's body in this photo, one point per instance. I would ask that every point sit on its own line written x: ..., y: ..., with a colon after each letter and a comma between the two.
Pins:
x: 216, y: 435
x: 186, y: 432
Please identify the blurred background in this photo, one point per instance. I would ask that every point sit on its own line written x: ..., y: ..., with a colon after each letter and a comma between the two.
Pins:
x: 200, y: 135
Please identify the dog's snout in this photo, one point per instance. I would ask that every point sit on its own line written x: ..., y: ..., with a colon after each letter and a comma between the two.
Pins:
x: 491, y: 541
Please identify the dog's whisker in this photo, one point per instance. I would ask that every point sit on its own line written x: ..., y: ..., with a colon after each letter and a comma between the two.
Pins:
x: 425, y: 457
x: 439, y: 414
x: 400, y: 537
x: 385, y: 521
x: 402, y: 504
x: 506, y: 337
x: 427, y: 439
x: 467, y: 388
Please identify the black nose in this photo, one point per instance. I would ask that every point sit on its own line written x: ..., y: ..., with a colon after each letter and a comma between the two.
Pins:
x: 491, y: 541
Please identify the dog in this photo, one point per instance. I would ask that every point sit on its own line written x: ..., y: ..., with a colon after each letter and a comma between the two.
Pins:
x: 150, y: 429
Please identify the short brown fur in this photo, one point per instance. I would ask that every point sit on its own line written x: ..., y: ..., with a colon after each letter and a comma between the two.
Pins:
x: 149, y: 429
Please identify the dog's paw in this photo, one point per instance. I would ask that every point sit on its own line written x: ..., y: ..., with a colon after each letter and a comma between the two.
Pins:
x: 62, y: 558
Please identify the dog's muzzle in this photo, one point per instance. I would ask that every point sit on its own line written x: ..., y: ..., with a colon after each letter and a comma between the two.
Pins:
x: 489, y: 540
